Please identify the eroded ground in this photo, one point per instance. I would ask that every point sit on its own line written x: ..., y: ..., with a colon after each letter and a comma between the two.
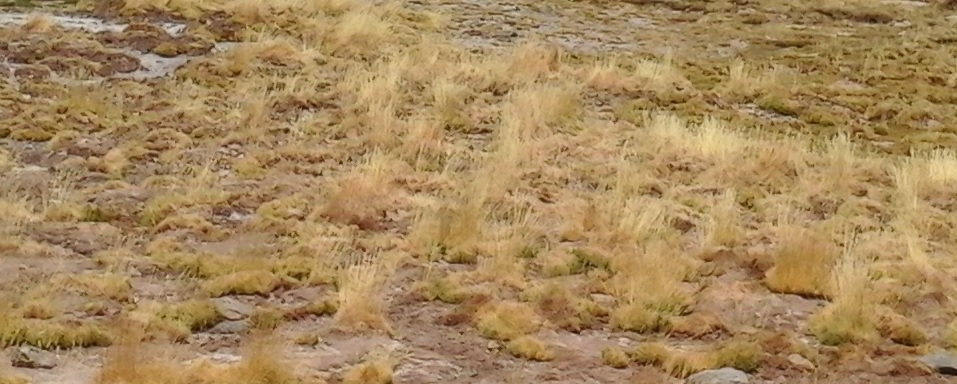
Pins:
x: 477, y: 192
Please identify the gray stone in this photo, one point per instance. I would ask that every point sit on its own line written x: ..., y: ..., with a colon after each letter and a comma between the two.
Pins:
x: 941, y: 362
x: 225, y: 358
x: 718, y: 376
x: 801, y: 362
x: 603, y: 300
x: 31, y: 357
x: 232, y: 309
x: 230, y: 327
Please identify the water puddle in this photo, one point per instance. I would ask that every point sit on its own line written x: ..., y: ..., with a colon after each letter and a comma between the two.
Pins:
x: 89, y: 24
x: 153, y: 65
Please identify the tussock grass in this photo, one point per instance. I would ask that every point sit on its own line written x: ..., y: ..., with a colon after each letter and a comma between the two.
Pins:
x: 130, y: 361
x: 803, y: 263
x: 377, y: 370
x: 739, y: 354
x: 506, y: 321
x: 850, y: 317
x: 530, y: 348
x: 361, y: 305
x: 52, y: 334
x: 615, y: 357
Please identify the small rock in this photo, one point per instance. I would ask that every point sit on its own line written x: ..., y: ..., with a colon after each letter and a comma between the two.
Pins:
x: 224, y: 358
x: 33, y: 358
x: 232, y: 309
x: 230, y: 327
x: 603, y: 300
x: 801, y: 362
x: 493, y: 345
x: 718, y: 376
x: 902, y: 24
x: 941, y: 362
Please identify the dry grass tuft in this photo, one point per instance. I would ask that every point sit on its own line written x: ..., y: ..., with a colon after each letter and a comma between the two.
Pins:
x: 6, y: 161
x: 447, y: 289
x: 650, y: 354
x: 244, y: 283
x: 529, y: 347
x: 949, y: 335
x: 131, y: 362
x: 505, y: 320
x: 682, y: 364
x: 361, y: 305
x: 262, y: 363
x: 363, y: 197
x: 38, y: 23
x: 747, y: 83
x: 52, y: 334
x: 126, y: 363
x: 110, y: 285
x: 802, y: 263
x: 742, y: 355
x: 376, y: 371
x: 615, y: 357
x: 636, y: 317
x: 724, y: 222
x: 7, y: 378
x: 850, y: 317
x: 180, y: 320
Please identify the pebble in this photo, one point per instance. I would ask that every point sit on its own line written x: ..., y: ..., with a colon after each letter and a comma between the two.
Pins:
x: 234, y: 327
x: 603, y: 300
x: 32, y: 357
x: 232, y: 309
x: 801, y: 362
x: 718, y: 376
x: 941, y: 362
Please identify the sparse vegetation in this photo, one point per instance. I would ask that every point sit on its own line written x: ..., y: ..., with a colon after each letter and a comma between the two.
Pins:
x: 505, y: 320
x: 530, y: 348
x: 131, y: 362
x: 615, y: 357
x: 368, y: 372
x: 416, y: 175
x: 739, y: 354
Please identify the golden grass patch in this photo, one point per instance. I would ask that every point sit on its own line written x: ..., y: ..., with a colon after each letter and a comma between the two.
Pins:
x: 851, y: 315
x: 505, y: 320
x: 529, y: 347
x: 802, y: 263
x: 132, y: 362
x: 361, y: 305
x: 379, y: 371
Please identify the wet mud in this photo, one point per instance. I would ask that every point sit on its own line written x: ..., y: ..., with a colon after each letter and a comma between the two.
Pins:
x: 78, y: 49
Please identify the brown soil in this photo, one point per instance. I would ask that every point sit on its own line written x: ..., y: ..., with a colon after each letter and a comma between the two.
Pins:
x: 145, y: 37
x: 59, y: 55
